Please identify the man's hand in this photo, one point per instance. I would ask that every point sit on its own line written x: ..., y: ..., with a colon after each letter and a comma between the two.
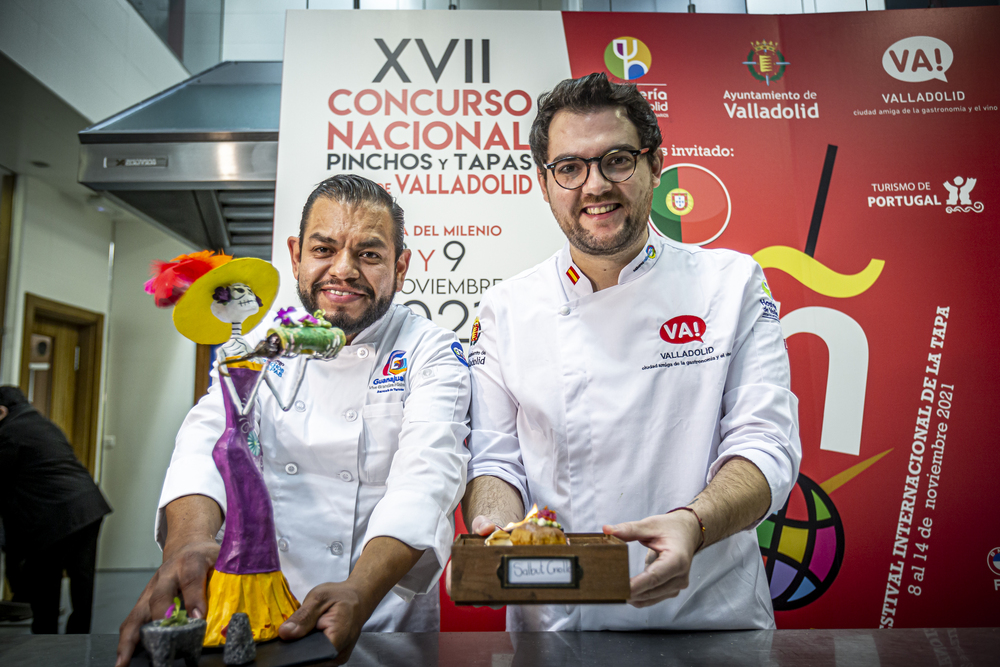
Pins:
x: 341, y: 609
x: 672, y: 540
x: 480, y: 526
x: 336, y: 609
x: 183, y: 574
x: 189, y: 553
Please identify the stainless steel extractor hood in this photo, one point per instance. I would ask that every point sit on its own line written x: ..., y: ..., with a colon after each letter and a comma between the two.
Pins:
x: 198, y: 159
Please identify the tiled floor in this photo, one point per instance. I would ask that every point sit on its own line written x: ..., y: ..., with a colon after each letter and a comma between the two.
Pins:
x: 115, y: 593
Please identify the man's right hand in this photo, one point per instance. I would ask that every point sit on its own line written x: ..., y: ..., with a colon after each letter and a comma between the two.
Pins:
x: 189, y: 554
x: 183, y: 575
x: 480, y: 526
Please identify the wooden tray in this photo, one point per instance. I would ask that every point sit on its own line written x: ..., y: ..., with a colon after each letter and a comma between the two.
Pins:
x: 591, y: 569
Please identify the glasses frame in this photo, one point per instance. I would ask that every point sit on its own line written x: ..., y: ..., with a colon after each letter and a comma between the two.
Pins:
x: 596, y: 160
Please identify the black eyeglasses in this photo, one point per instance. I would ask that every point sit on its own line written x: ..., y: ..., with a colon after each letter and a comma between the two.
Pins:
x: 616, y: 166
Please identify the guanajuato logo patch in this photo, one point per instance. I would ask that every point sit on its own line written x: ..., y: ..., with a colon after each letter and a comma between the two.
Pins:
x: 765, y: 62
x: 393, y: 374
x: 396, y: 364
x: 627, y: 58
x: 682, y: 331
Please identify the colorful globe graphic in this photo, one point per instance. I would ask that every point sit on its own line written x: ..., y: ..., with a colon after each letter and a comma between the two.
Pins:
x: 802, y: 546
x: 627, y: 58
x: 690, y: 205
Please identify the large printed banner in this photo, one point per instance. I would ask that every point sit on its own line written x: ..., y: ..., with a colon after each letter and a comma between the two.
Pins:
x: 855, y: 156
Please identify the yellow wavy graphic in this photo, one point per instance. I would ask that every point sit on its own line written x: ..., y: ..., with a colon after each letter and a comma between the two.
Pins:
x: 815, y: 275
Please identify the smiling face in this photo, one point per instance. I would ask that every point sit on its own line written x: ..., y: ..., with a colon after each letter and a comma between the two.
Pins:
x: 600, y: 218
x: 346, y: 265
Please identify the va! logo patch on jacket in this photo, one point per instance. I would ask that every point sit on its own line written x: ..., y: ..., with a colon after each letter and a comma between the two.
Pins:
x: 683, y: 329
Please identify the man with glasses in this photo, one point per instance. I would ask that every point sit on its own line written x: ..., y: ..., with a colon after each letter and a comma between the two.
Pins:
x: 632, y: 384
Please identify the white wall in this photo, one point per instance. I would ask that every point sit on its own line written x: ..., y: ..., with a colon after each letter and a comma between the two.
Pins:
x: 61, y: 253
x: 150, y: 388
x: 100, y: 56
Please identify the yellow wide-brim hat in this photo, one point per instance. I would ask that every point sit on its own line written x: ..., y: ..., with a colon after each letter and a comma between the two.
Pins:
x: 193, y: 315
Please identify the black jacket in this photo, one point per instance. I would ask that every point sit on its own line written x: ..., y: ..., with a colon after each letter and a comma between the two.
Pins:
x: 45, y: 492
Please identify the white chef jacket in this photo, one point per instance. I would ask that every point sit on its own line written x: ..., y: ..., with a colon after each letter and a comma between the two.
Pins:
x: 367, y: 450
x: 601, y: 406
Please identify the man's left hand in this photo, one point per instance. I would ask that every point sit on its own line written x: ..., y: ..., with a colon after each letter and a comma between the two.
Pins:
x: 335, y: 608
x: 672, y: 540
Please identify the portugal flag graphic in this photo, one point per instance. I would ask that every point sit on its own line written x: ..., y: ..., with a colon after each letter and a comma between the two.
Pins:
x: 691, y: 204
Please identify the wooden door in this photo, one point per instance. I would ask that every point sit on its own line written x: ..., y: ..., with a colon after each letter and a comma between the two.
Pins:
x: 60, y: 369
x: 53, y: 367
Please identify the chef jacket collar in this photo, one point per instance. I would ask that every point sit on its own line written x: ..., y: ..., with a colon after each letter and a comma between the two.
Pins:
x: 372, y: 334
x: 577, y: 285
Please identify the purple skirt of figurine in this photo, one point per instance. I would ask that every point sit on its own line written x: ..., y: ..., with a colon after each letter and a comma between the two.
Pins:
x: 249, y: 545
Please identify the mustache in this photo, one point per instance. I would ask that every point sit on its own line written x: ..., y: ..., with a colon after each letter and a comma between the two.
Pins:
x: 317, y: 287
x: 597, y: 201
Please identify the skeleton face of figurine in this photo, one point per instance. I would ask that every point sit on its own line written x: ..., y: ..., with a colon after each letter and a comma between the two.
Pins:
x: 235, y: 303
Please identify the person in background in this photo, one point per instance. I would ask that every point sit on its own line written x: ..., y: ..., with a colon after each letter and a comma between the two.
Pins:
x: 52, y: 512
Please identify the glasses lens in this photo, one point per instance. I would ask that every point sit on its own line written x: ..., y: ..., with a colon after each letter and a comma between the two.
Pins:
x: 570, y: 173
x: 618, y: 166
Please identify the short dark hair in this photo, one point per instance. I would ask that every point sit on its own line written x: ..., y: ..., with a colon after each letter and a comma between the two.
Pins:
x: 591, y: 93
x: 11, y: 396
x: 352, y: 189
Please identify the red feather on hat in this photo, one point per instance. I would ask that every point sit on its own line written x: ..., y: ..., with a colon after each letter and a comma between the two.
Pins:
x: 172, y: 279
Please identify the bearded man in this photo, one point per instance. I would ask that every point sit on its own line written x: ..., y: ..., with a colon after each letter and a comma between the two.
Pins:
x: 632, y: 384
x: 364, y: 472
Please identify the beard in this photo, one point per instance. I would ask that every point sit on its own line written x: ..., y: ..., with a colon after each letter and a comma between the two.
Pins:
x: 377, y: 307
x: 636, y: 220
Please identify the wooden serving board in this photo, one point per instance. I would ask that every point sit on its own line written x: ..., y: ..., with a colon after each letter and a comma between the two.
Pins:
x: 591, y: 569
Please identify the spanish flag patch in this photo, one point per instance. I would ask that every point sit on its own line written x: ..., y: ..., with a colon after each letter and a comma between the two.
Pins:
x: 572, y: 275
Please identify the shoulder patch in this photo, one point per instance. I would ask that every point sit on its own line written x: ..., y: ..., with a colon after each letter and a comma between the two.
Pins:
x: 459, y: 352
x: 476, y: 328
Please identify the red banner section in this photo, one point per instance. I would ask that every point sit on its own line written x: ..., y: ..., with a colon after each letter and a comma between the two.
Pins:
x: 855, y: 156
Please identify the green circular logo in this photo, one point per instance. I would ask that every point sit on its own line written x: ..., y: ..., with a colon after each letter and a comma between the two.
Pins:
x: 627, y: 58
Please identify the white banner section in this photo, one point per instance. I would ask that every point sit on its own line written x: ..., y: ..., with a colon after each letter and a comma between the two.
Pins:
x: 436, y: 107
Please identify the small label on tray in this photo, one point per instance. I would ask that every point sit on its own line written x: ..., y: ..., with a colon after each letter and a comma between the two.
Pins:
x: 540, y: 572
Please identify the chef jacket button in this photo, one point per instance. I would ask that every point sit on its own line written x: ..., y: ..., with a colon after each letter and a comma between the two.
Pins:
x: 291, y: 468
x: 350, y: 415
x: 300, y: 406
x: 427, y: 372
x: 564, y: 310
x: 362, y: 352
x: 283, y: 544
x: 337, y: 548
x: 346, y: 475
x: 569, y: 609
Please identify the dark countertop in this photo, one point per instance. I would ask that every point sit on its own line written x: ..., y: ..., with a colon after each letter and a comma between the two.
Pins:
x: 833, y: 648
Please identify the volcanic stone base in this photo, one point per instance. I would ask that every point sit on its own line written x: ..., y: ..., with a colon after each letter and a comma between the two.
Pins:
x: 164, y: 644
x: 240, y: 648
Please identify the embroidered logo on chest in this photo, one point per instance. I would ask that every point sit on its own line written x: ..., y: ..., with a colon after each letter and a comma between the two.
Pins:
x: 683, y: 329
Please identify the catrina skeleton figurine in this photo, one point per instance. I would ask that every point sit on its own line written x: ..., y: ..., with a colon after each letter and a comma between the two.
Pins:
x: 216, y: 299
